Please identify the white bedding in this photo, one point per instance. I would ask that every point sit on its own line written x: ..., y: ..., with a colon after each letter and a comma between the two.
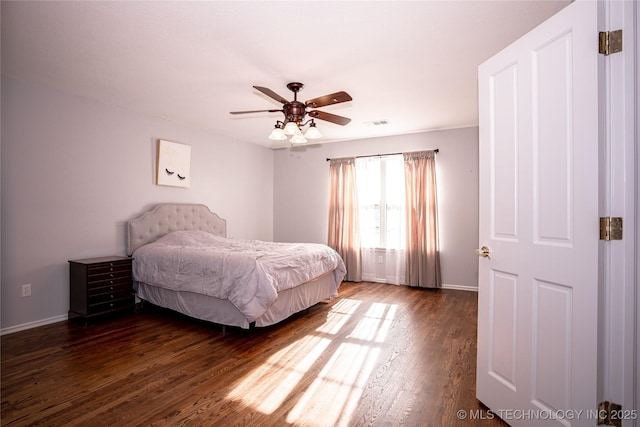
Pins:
x: 248, y: 273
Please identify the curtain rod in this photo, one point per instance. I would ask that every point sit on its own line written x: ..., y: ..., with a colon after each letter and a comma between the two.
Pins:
x: 437, y: 150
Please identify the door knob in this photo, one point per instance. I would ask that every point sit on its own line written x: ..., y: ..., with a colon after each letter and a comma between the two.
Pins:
x: 484, y: 252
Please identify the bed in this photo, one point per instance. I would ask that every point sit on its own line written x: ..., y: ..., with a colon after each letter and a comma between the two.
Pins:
x: 183, y: 260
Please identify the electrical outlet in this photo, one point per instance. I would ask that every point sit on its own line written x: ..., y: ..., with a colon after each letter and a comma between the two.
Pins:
x: 26, y: 290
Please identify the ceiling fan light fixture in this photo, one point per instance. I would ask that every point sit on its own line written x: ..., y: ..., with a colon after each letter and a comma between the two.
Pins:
x: 298, y: 139
x: 295, y: 112
x: 290, y: 128
x: 312, y: 132
x: 277, y: 134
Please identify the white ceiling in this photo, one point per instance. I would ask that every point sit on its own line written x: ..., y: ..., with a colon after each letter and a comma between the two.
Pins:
x: 413, y: 64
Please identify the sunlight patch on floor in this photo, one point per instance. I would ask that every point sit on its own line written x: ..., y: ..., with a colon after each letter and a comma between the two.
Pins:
x: 331, y: 396
x: 334, y: 394
x: 266, y: 388
x: 339, y: 314
x: 376, y: 324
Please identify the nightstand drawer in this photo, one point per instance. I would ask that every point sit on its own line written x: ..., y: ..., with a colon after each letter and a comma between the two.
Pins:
x: 110, y: 295
x: 111, y: 268
x: 109, y: 281
x: 107, y: 306
x: 122, y: 285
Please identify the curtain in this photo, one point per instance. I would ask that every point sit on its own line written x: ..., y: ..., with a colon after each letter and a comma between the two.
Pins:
x: 423, y: 251
x: 344, y: 230
x: 381, y: 202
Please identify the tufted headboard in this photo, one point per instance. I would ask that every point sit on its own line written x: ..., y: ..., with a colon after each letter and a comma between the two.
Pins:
x: 167, y: 217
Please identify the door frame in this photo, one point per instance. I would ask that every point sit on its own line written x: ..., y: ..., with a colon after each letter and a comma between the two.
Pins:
x: 619, y: 296
x: 635, y: 254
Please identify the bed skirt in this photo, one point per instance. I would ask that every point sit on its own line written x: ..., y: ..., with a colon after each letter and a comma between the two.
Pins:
x: 220, y: 311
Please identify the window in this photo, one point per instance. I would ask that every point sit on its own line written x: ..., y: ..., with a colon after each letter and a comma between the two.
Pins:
x: 389, y: 243
x: 381, y: 202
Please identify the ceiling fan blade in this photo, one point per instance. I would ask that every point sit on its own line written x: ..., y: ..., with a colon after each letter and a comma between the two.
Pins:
x: 333, y: 118
x: 334, y: 98
x: 255, y: 111
x: 271, y: 94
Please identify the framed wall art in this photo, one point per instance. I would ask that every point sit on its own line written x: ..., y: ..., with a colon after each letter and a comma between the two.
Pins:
x: 174, y: 164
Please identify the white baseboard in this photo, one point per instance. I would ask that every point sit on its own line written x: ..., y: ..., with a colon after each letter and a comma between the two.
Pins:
x: 30, y: 325
x: 444, y: 285
x: 460, y: 287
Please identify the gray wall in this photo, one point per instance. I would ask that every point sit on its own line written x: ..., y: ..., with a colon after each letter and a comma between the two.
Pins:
x: 302, y: 192
x: 74, y: 171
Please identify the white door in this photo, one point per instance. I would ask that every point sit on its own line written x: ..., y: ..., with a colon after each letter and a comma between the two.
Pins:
x: 537, y: 312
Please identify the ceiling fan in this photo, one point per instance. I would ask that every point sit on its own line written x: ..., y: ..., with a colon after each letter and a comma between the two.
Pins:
x: 295, y: 112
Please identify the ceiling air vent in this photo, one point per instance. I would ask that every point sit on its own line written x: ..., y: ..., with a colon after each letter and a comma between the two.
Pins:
x: 377, y: 123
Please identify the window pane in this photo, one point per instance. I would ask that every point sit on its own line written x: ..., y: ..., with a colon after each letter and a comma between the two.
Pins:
x: 394, y: 180
x: 370, y: 226
x: 368, y: 181
x: 395, y: 227
x: 395, y: 199
x: 381, y: 199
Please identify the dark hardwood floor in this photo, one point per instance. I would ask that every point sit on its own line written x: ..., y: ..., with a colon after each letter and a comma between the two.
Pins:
x: 379, y: 355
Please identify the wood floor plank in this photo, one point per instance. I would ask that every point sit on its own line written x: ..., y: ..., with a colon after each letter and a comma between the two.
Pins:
x: 379, y: 355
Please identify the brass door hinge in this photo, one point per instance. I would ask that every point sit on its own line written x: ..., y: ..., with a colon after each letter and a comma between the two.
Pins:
x: 609, y: 414
x: 610, y: 228
x: 609, y: 42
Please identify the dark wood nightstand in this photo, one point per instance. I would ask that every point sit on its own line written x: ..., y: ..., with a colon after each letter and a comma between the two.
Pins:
x: 100, y: 286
